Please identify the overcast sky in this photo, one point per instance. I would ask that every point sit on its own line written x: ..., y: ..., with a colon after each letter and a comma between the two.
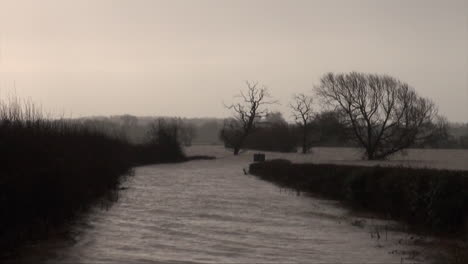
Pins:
x: 184, y: 58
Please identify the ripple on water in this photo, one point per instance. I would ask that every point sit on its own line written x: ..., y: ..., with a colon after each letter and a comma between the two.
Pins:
x: 210, y: 212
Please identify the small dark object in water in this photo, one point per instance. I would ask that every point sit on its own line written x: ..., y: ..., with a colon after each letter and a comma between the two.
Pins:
x: 200, y: 157
x: 259, y: 157
x: 245, y: 172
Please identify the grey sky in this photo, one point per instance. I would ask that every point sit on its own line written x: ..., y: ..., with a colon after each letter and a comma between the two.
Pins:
x: 149, y: 57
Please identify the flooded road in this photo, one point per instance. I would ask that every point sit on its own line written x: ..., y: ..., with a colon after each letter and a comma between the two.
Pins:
x: 210, y: 212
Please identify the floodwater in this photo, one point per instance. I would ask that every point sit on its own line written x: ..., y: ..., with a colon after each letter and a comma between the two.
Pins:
x: 451, y: 159
x: 211, y: 212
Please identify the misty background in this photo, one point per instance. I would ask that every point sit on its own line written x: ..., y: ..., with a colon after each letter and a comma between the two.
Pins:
x: 185, y: 58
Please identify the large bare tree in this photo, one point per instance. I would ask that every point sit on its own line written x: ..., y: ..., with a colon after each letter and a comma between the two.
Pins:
x: 303, y: 113
x: 250, y: 108
x: 385, y: 114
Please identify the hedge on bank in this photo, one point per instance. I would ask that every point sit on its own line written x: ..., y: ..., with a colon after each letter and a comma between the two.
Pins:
x: 436, y: 200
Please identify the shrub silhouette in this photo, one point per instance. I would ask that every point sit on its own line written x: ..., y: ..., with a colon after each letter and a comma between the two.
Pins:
x: 427, y: 199
x: 51, y: 170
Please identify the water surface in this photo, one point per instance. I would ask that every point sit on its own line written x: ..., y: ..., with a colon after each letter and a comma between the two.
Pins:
x: 210, y: 212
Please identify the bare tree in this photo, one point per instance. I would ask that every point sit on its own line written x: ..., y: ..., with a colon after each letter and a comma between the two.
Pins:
x: 303, y: 113
x: 245, y: 114
x: 385, y: 114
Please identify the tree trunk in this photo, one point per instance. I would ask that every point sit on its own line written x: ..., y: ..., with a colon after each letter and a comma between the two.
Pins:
x: 236, y: 151
x: 370, y: 154
x: 304, y: 140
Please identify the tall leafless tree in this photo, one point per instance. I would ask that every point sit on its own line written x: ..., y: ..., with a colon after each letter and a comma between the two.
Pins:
x: 303, y: 113
x: 246, y: 112
x: 385, y: 114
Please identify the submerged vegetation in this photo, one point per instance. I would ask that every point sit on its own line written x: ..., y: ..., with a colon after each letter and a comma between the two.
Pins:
x: 427, y: 199
x: 51, y: 169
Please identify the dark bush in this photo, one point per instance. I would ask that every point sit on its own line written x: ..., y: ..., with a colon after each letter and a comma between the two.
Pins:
x: 277, y: 137
x: 51, y: 170
x: 434, y: 200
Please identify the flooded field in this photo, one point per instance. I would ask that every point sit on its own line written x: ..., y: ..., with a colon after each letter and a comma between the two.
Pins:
x: 452, y: 159
x: 211, y: 212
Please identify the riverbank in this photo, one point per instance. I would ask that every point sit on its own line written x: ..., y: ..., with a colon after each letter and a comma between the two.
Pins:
x: 429, y: 201
x: 210, y: 212
x: 53, y: 170
x: 436, y: 200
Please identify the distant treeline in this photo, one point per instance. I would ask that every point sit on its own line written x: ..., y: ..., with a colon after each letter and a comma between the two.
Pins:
x: 135, y: 129
x: 456, y: 137
x: 51, y: 170
x: 272, y: 132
